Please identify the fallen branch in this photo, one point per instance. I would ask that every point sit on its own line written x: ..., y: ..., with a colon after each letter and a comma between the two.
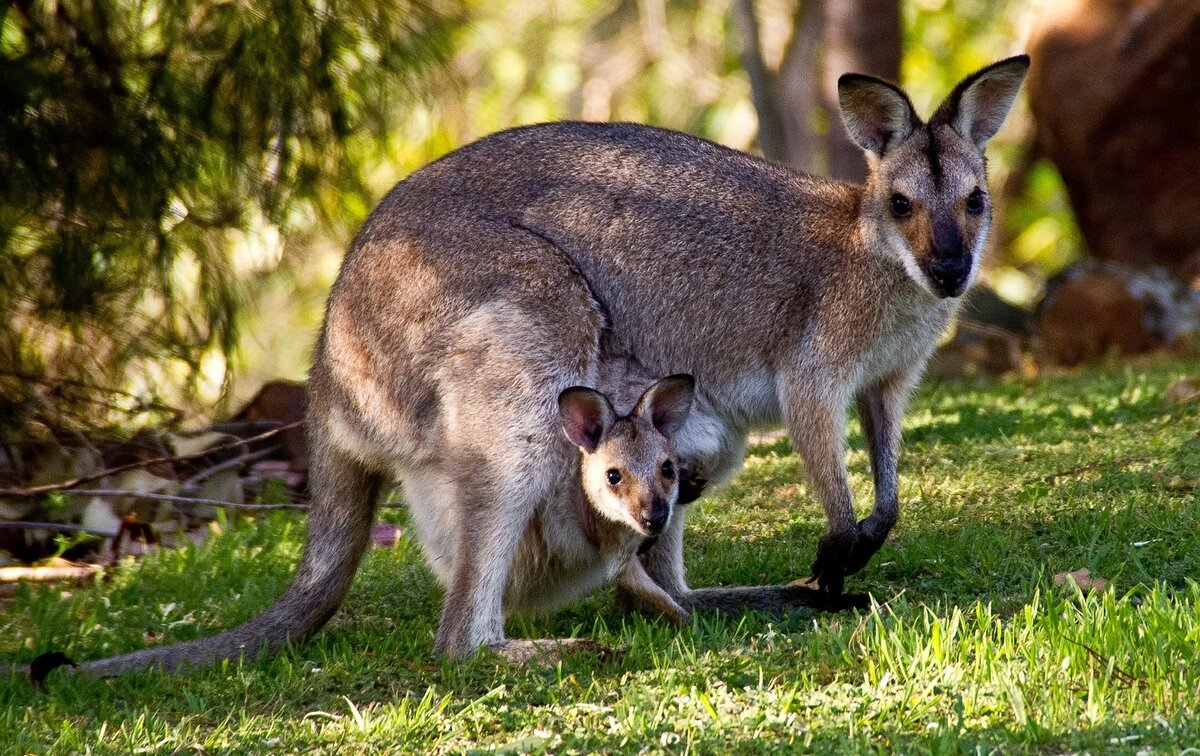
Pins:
x: 62, y: 486
x: 183, y: 499
x: 41, y: 574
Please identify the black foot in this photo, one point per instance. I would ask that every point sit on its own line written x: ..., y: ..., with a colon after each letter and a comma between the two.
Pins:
x: 843, y: 554
x: 43, y: 665
x: 798, y: 595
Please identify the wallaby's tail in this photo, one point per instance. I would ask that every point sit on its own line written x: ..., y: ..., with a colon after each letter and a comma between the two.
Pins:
x: 339, y: 530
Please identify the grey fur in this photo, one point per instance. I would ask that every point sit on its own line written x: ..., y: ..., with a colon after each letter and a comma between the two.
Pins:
x: 538, y: 258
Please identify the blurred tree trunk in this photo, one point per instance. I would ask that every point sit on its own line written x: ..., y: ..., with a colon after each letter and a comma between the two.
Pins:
x: 1115, y: 90
x: 798, y: 86
x: 799, y: 122
x: 862, y: 36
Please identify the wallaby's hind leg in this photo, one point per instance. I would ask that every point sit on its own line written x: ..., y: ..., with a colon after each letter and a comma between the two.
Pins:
x: 493, y: 517
x: 504, y: 448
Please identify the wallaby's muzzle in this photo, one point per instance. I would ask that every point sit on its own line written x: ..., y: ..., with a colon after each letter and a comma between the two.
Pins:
x: 949, y: 276
x: 655, y: 515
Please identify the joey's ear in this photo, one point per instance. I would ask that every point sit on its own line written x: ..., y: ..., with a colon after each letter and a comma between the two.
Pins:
x: 586, y: 416
x: 978, y: 105
x: 667, y: 402
x: 877, y: 114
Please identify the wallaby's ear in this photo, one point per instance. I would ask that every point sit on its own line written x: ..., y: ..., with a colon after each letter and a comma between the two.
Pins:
x: 978, y: 105
x: 586, y: 416
x: 667, y: 402
x: 876, y: 113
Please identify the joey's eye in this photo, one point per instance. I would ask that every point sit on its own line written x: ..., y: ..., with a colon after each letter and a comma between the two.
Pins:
x: 668, y: 470
x: 614, y: 476
x: 975, y: 202
x: 901, y: 207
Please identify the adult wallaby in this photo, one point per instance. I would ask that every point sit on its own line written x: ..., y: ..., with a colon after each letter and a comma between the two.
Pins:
x: 493, y: 279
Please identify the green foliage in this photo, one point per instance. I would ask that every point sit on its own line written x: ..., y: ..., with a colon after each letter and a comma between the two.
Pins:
x: 971, y: 647
x: 139, y: 141
x: 180, y: 178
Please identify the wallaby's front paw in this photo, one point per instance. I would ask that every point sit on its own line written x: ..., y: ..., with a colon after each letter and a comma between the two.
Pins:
x: 691, y: 485
x: 549, y: 651
x: 843, y: 554
x: 834, y: 553
x: 870, y: 539
x: 635, y: 602
x: 675, y: 615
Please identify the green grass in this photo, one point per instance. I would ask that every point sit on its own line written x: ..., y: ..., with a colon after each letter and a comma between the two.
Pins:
x: 971, y: 648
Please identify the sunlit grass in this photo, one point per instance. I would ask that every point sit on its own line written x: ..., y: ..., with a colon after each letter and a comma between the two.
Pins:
x: 970, y: 644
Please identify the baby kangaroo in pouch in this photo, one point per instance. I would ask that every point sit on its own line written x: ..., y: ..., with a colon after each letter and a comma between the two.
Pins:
x: 623, y: 493
x: 489, y: 283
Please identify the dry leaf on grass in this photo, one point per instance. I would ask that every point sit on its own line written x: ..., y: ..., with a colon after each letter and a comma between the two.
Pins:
x: 1082, y: 578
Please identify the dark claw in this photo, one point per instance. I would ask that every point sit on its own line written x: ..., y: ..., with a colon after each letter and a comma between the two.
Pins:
x: 840, y: 555
x: 833, y: 554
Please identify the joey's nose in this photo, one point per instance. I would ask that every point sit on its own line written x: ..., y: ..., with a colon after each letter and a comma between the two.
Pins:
x: 654, y: 517
x: 949, y: 276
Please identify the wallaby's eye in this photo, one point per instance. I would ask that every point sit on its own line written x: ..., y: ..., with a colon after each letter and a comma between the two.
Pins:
x: 668, y: 470
x: 614, y: 476
x: 975, y: 202
x: 901, y: 207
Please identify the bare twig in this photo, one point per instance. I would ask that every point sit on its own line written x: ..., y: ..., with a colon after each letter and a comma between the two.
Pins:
x: 1121, y: 462
x: 197, y: 500
x: 229, y: 464
x: 48, y: 487
x: 1126, y: 678
x: 65, y: 527
x: 184, y: 499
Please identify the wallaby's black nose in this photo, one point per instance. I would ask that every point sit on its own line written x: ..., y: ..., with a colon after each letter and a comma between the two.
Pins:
x: 654, y: 517
x: 949, y: 276
x: 657, y: 520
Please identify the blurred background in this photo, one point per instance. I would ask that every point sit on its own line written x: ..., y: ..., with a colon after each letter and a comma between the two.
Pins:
x: 179, y: 180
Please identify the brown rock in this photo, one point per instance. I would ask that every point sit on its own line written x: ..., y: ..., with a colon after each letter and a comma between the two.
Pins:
x: 1091, y: 314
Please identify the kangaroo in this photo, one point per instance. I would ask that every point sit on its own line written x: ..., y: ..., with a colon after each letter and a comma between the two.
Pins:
x: 491, y: 280
x: 623, y: 492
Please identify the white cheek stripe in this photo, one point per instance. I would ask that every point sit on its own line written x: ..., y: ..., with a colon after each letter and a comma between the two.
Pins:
x: 896, y: 244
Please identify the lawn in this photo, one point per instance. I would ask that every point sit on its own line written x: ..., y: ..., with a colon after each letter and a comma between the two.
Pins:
x: 970, y: 646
